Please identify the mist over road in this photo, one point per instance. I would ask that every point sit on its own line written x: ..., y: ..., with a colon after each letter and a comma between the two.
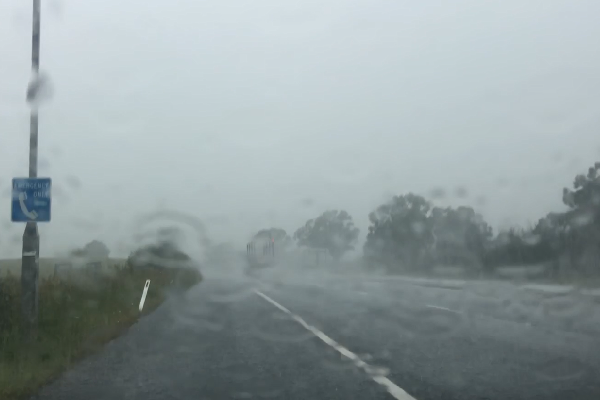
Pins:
x: 288, y: 336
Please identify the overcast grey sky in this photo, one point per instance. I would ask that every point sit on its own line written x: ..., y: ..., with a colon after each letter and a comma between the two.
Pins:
x: 237, y: 112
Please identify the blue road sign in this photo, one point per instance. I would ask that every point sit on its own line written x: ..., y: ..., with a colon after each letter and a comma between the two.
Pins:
x: 31, y: 199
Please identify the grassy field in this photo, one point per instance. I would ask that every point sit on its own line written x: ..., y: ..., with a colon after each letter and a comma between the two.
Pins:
x: 77, y: 315
x: 13, y: 266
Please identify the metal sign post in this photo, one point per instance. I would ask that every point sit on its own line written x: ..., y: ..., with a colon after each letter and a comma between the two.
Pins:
x: 31, y: 237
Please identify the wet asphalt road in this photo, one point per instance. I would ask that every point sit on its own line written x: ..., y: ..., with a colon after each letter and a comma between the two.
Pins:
x: 223, y: 340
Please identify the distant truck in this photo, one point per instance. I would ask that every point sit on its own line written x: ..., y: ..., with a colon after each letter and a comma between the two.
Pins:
x: 260, y: 253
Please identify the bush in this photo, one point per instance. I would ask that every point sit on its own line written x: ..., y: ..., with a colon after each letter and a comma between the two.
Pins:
x: 95, y: 249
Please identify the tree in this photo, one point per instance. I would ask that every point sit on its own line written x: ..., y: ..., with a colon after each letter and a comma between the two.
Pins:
x: 400, y: 233
x: 563, y: 240
x: 582, y: 239
x: 164, y: 253
x: 170, y: 236
x: 586, y: 190
x: 550, y: 235
x: 95, y: 250
x: 408, y: 233
x: 460, y: 236
x: 333, y: 230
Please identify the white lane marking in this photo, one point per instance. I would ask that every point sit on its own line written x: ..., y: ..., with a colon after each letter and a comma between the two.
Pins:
x: 442, y: 308
x: 396, y: 391
x: 144, y: 293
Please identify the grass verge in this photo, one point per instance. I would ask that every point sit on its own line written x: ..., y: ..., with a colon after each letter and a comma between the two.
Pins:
x: 78, y: 314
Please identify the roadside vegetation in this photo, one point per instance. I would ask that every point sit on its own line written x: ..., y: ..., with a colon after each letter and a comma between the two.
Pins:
x: 80, y: 309
x: 411, y: 235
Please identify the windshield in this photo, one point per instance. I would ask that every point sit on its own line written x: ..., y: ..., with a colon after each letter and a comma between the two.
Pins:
x: 367, y: 199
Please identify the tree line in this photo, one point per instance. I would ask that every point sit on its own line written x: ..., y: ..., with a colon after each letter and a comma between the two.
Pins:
x: 410, y: 234
x: 163, y: 251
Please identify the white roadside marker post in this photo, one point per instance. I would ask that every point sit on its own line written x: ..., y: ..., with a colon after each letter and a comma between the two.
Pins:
x: 144, y: 293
